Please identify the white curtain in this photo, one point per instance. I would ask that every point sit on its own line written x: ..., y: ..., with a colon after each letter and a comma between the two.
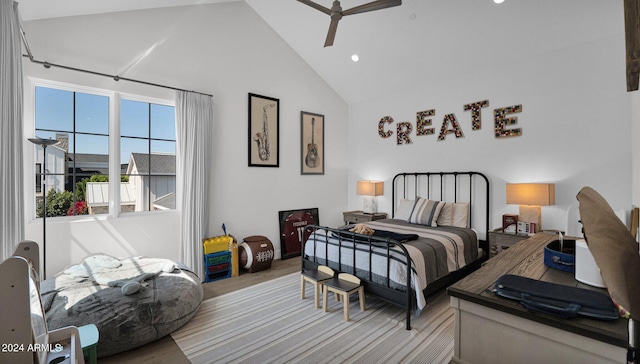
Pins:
x: 194, y: 119
x: 11, y: 140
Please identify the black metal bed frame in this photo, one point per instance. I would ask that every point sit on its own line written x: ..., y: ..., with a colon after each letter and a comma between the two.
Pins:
x: 422, y: 183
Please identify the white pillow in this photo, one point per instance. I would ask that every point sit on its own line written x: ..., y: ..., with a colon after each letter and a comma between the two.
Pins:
x: 426, y: 212
x: 454, y: 214
x: 446, y: 214
x: 403, y: 212
x: 460, y: 215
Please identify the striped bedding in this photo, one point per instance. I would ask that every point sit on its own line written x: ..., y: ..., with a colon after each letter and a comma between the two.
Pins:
x: 437, y: 252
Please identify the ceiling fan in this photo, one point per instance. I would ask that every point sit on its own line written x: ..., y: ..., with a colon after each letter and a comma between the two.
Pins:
x: 336, y: 13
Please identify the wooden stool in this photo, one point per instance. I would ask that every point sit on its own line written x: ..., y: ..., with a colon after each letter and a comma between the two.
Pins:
x: 89, y: 336
x: 343, y: 285
x: 315, y: 276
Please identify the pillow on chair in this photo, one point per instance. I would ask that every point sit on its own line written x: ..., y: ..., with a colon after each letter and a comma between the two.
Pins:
x: 614, y: 250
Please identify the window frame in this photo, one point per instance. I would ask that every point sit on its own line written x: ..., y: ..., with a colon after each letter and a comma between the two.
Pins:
x: 30, y: 152
x: 137, y: 98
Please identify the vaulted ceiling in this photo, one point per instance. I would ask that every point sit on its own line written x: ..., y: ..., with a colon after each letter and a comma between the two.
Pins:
x: 408, y: 46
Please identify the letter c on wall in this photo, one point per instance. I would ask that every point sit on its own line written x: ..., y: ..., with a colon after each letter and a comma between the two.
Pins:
x: 387, y: 120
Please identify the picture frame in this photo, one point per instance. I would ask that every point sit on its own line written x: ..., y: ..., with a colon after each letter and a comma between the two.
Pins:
x: 311, y: 143
x: 509, y: 223
x: 264, y: 131
x: 293, y: 231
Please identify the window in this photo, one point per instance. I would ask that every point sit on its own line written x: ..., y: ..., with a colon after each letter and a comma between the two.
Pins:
x: 77, y: 171
x: 80, y: 122
x: 148, y: 150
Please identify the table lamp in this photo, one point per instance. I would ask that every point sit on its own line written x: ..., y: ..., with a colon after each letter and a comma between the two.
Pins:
x: 530, y: 197
x: 370, y: 189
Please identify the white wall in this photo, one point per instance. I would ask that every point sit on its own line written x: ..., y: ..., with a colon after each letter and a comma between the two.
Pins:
x: 222, y: 49
x: 575, y: 122
x: 635, y: 151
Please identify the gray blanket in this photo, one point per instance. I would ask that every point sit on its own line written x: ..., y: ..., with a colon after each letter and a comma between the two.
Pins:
x: 444, y: 248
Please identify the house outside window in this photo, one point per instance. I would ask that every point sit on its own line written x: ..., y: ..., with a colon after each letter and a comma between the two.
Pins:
x: 78, y: 168
x: 148, y: 148
x: 38, y: 178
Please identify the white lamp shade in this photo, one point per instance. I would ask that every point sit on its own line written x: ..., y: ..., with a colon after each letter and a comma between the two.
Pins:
x: 534, y: 194
x: 370, y: 188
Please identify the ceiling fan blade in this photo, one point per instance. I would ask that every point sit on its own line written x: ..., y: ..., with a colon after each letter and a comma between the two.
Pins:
x: 332, y: 32
x: 316, y: 6
x: 374, y: 5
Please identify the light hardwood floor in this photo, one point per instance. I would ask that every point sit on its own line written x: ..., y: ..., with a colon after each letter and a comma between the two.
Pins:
x: 165, y: 349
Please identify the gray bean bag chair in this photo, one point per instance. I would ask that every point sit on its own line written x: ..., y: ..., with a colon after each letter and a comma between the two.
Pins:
x: 132, y: 301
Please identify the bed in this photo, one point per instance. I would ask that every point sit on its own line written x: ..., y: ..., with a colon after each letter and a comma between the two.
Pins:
x: 437, y: 234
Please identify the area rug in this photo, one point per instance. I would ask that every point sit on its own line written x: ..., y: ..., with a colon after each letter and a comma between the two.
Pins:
x: 269, y: 323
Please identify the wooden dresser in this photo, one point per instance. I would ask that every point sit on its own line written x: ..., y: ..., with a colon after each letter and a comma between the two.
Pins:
x: 491, y: 329
x: 499, y: 240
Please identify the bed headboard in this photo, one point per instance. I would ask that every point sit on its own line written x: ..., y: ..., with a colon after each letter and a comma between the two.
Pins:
x: 471, y: 187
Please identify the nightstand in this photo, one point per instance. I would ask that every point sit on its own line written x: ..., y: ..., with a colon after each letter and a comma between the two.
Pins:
x: 354, y: 217
x: 499, y: 240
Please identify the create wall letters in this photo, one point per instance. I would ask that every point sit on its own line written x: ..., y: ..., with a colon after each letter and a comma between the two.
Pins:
x: 450, y: 124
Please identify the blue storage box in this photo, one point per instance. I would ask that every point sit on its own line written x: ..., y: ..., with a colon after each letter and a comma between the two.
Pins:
x: 564, y: 260
x: 217, y: 266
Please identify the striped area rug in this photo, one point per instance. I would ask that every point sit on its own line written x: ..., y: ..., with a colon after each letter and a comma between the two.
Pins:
x: 269, y: 323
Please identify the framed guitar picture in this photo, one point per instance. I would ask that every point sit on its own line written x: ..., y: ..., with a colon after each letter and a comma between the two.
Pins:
x: 312, y: 143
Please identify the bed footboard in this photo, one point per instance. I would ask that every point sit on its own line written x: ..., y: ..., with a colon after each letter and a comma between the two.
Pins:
x: 374, y: 260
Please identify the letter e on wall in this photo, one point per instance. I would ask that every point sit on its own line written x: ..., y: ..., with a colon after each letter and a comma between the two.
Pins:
x: 422, y: 122
x: 501, y: 121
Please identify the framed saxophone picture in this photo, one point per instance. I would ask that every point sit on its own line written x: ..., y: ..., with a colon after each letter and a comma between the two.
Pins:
x: 312, y: 143
x: 264, y: 131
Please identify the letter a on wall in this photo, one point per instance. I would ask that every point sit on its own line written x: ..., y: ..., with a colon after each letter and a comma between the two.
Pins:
x: 455, y: 127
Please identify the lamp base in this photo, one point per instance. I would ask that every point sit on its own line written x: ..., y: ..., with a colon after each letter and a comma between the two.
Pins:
x: 369, y: 205
x: 532, y: 214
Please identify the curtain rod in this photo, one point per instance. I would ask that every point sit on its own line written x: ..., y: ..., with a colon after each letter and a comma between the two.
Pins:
x: 114, y: 77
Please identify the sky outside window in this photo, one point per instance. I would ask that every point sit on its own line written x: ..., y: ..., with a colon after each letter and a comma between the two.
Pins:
x: 82, y: 121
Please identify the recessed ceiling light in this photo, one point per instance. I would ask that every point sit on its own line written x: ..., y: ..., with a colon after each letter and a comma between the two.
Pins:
x: 355, y: 58
x: 498, y: 1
